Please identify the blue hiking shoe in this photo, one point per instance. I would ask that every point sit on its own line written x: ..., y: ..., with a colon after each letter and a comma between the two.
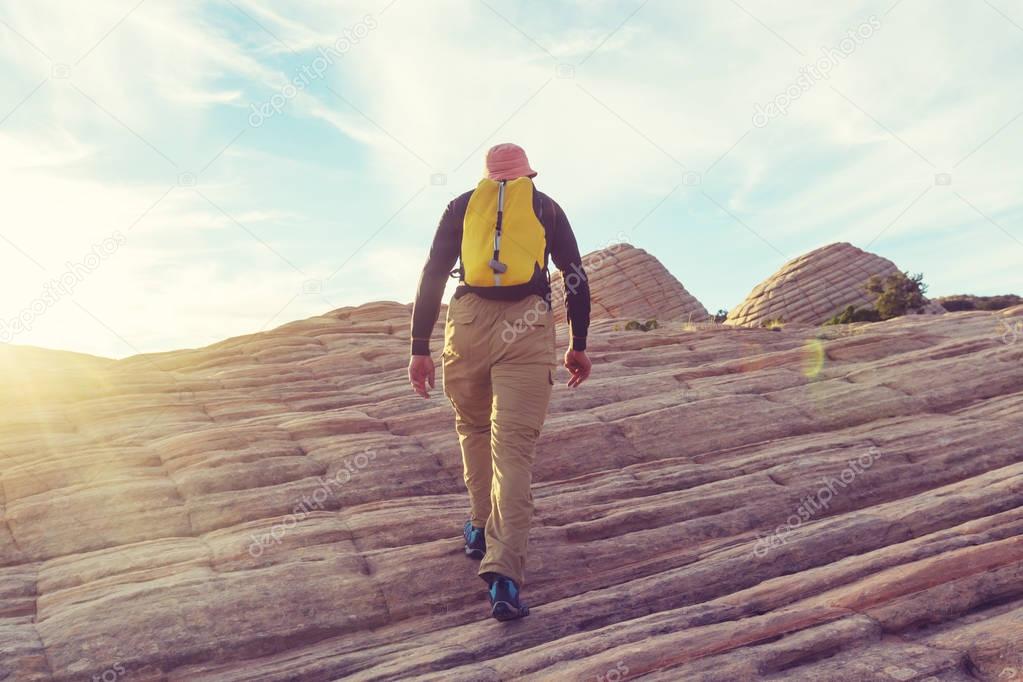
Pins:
x: 504, y: 599
x: 475, y: 541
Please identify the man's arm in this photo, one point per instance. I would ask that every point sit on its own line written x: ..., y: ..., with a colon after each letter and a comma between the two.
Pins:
x: 443, y: 254
x: 565, y: 254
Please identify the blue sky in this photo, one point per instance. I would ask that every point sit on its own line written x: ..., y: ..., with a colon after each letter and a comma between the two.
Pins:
x: 136, y: 123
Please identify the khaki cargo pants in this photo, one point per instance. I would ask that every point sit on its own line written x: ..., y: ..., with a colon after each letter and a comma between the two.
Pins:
x: 498, y: 373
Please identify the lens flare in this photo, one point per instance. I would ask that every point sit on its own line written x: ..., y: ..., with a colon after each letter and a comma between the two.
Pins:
x: 813, y: 363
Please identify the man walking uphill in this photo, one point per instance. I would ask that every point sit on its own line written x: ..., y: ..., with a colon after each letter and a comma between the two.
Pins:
x: 499, y: 354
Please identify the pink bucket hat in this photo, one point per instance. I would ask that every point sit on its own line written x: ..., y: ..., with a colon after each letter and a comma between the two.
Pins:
x: 508, y: 161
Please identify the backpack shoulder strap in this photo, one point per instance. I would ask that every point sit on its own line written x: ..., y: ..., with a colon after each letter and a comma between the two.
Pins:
x: 459, y: 271
x: 547, y: 233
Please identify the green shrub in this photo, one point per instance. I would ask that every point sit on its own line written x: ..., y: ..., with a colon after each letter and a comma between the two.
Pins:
x: 969, y: 302
x: 956, y: 304
x: 853, y: 314
x: 634, y: 325
x: 998, y: 302
x: 721, y: 316
x: 897, y: 294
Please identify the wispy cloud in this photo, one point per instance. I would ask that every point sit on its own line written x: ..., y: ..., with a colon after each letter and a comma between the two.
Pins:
x: 123, y: 113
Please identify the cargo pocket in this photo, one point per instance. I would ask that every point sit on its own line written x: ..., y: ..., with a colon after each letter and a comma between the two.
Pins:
x: 458, y: 329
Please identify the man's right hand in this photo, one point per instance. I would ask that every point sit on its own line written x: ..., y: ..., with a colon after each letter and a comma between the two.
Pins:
x: 421, y: 373
x: 578, y: 365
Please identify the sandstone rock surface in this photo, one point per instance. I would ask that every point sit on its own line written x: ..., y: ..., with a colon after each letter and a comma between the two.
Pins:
x: 815, y: 286
x: 627, y: 282
x: 717, y: 503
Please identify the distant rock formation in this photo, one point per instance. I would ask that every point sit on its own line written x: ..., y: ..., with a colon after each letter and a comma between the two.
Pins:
x: 816, y: 286
x: 627, y: 282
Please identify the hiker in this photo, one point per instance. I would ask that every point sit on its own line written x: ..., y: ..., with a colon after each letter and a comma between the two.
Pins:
x: 499, y: 351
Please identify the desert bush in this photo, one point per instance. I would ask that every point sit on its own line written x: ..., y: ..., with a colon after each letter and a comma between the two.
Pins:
x: 956, y: 304
x: 636, y: 325
x: 853, y: 314
x: 897, y: 294
x: 721, y: 316
x: 998, y: 302
x: 970, y: 302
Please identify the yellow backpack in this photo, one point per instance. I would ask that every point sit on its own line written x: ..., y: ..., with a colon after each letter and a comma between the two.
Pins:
x: 503, y: 242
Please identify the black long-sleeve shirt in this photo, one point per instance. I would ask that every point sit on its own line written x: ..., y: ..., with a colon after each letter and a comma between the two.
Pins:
x: 447, y: 245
